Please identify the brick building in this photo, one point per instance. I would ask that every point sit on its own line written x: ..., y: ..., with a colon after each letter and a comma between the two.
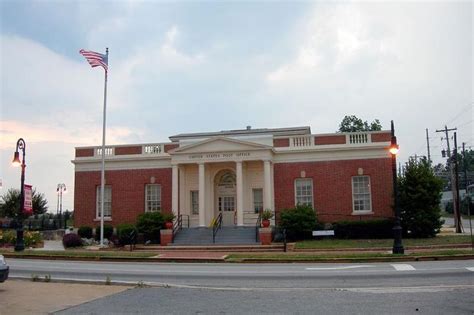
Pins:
x: 343, y: 176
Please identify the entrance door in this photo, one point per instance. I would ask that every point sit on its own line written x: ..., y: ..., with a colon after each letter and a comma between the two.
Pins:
x: 227, y: 208
x: 225, y: 196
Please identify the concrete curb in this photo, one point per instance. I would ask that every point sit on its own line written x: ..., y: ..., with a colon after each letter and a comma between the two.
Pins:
x: 250, y: 260
x: 356, y: 260
x: 381, y: 249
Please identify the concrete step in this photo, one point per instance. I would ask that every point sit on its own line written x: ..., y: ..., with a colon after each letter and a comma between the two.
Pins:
x: 225, y: 235
x: 213, y: 248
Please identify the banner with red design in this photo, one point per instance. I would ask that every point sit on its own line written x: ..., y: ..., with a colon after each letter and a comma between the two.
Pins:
x: 28, y: 204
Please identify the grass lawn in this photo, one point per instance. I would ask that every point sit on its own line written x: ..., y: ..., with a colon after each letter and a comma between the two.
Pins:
x: 78, y: 253
x: 337, y: 243
x: 327, y: 256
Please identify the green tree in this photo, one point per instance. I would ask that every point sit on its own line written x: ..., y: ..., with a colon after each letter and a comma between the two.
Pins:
x: 419, y: 197
x: 355, y: 124
x: 11, y: 203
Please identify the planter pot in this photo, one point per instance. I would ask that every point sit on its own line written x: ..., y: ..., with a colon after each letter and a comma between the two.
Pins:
x: 265, y: 223
x: 169, y: 225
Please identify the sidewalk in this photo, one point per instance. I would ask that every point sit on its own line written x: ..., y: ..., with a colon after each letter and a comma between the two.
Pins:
x: 51, y: 245
x: 27, y: 297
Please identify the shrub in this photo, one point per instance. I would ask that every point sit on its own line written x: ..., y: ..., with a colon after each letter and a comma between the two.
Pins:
x: 364, y: 229
x: 7, y: 237
x: 32, y: 238
x: 267, y: 214
x: 108, y: 231
x: 85, y: 231
x: 124, y: 231
x: 299, y: 221
x: 72, y: 240
x: 150, y: 224
x: 168, y: 217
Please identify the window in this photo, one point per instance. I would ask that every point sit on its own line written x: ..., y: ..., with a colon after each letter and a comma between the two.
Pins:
x: 107, y: 202
x: 195, y: 202
x: 361, y: 193
x: 257, y: 200
x: 304, y: 192
x: 152, y: 197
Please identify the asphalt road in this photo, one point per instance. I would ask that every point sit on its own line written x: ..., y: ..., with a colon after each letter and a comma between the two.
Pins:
x: 445, y: 287
x: 256, y: 275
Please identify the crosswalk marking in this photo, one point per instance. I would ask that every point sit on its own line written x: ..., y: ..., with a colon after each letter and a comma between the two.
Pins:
x: 470, y: 268
x: 403, y: 267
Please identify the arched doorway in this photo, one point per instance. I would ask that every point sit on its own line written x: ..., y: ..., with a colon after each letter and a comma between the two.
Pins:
x: 226, y: 196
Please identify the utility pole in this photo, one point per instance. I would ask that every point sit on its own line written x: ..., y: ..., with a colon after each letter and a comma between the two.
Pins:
x: 469, y: 197
x: 457, y: 221
x: 428, y: 146
x: 456, y: 185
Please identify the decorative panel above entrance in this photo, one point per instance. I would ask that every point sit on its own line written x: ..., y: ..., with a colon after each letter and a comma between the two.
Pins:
x: 221, y: 149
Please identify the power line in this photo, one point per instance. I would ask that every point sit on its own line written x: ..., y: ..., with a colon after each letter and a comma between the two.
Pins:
x: 465, y: 109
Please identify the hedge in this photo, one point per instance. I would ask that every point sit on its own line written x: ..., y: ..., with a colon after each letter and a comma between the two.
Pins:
x: 124, y: 231
x: 364, y: 229
x: 108, y: 231
x: 85, y: 231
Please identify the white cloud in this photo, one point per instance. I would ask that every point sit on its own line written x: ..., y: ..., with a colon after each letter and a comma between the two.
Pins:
x: 332, y: 38
x: 171, y: 56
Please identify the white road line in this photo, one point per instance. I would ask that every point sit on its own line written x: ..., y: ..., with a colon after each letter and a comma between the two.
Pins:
x: 470, y: 268
x: 340, y: 267
x: 403, y: 267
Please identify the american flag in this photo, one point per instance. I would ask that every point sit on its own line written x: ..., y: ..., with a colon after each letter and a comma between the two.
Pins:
x: 95, y: 59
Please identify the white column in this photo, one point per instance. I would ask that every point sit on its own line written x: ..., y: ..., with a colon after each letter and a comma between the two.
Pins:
x: 240, y: 197
x: 267, y: 188
x: 175, y: 190
x: 202, y: 195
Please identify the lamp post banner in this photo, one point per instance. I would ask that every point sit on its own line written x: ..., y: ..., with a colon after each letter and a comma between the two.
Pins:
x: 28, y: 204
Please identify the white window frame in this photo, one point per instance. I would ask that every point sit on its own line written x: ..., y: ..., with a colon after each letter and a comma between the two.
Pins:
x: 158, y: 200
x: 296, y: 191
x: 194, y: 211
x: 364, y: 211
x: 107, y: 203
x: 253, y: 199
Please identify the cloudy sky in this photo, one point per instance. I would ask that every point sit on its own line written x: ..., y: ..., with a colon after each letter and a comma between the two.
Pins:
x: 206, y: 66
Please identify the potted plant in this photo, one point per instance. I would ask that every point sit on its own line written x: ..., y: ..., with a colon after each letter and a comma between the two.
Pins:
x: 168, y: 218
x: 267, y: 214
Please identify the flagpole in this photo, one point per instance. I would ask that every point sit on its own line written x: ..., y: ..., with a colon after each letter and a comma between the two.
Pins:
x: 102, y: 175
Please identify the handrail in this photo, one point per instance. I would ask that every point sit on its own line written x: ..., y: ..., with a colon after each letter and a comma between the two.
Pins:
x: 257, y: 225
x: 177, y: 225
x: 217, y: 225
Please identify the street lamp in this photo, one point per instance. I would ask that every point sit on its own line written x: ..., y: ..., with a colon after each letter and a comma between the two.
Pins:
x: 397, y: 229
x: 60, y: 189
x: 20, y: 145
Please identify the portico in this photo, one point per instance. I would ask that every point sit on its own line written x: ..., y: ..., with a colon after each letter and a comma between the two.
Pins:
x: 227, y: 176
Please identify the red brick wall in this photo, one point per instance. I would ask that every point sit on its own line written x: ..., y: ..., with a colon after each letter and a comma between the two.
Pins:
x: 128, y: 194
x: 84, y: 152
x: 320, y: 140
x: 281, y: 142
x: 169, y: 147
x: 128, y: 150
x: 381, y: 137
x: 332, y: 187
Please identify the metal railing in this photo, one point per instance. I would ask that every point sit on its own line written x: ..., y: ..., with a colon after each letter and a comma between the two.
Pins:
x: 178, y: 224
x: 216, y: 226
x: 257, y: 225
